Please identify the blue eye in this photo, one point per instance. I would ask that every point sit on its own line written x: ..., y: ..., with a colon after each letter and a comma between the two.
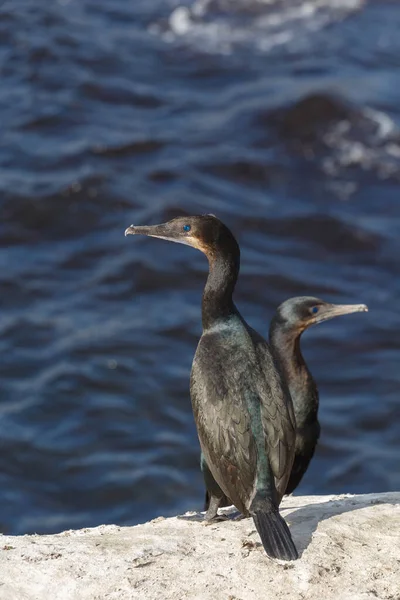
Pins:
x: 186, y: 228
x: 315, y: 309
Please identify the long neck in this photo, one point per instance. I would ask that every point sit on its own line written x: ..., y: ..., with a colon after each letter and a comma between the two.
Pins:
x: 285, y: 345
x: 217, y: 297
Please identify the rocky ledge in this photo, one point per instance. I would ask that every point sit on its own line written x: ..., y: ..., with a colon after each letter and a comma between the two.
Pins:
x: 349, y: 550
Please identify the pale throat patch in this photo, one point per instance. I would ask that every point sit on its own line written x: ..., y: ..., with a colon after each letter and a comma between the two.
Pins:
x: 188, y: 241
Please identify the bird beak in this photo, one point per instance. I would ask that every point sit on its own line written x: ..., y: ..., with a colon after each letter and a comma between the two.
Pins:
x: 151, y: 230
x: 169, y: 231
x: 163, y: 231
x: 336, y: 310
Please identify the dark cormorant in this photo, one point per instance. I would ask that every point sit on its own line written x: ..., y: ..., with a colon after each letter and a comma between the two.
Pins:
x: 292, y: 318
x: 241, y: 405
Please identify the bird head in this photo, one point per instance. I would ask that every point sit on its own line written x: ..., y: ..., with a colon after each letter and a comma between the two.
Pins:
x: 301, y: 312
x: 204, y: 232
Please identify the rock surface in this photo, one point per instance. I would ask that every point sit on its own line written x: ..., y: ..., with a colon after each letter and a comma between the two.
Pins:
x: 349, y: 546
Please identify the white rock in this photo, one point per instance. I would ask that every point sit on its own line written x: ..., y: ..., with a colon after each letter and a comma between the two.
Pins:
x: 349, y: 546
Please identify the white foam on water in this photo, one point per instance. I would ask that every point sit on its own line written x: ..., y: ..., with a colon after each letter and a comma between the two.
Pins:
x: 220, y: 25
x: 370, y: 142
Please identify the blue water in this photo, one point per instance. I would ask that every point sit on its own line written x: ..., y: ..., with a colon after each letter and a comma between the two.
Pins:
x: 283, y: 119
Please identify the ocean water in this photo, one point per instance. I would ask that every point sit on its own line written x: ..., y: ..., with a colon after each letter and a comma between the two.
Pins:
x: 280, y: 117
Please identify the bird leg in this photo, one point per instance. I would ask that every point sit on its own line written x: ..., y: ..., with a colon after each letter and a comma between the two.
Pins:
x: 212, y: 515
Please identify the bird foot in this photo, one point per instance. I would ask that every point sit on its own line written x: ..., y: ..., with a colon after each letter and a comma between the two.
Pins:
x: 238, y: 517
x: 215, y: 519
x: 212, y: 515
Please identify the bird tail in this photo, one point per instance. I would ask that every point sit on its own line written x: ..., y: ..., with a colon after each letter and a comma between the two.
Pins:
x: 273, y: 531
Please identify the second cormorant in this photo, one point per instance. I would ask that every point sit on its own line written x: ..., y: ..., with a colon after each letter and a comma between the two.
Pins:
x: 291, y: 319
x: 241, y: 405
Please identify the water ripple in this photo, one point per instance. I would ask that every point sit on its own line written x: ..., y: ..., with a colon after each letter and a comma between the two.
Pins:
x: 280, y: 117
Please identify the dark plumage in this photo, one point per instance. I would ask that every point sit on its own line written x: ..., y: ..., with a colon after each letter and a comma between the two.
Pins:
x: 241, y: 405
x: 292, y: 318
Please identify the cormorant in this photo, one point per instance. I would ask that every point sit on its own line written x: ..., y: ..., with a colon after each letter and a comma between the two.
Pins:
x: 291, y: 319
x: 242, y: 407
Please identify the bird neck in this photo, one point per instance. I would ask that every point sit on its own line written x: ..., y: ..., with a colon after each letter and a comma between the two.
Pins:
x: 217, y: 296
x: 285, y: 345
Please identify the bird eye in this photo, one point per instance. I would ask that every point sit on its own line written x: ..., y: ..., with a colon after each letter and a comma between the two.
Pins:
x: 186, y: 228
x: 315, y: 309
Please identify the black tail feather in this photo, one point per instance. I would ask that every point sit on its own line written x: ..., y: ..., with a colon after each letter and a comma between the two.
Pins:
x: 275, y: 535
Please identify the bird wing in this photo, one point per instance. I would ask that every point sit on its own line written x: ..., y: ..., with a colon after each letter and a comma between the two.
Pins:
x: 277, y: 415
x: 219, y: 375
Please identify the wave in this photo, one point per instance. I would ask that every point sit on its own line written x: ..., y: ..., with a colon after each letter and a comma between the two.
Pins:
x: 338, y: 136
x: 217, y: 26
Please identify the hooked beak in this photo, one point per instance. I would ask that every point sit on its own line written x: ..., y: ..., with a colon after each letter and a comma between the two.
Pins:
x: 162, y: 231
x: 336, y: 310
x: 151, y: 230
